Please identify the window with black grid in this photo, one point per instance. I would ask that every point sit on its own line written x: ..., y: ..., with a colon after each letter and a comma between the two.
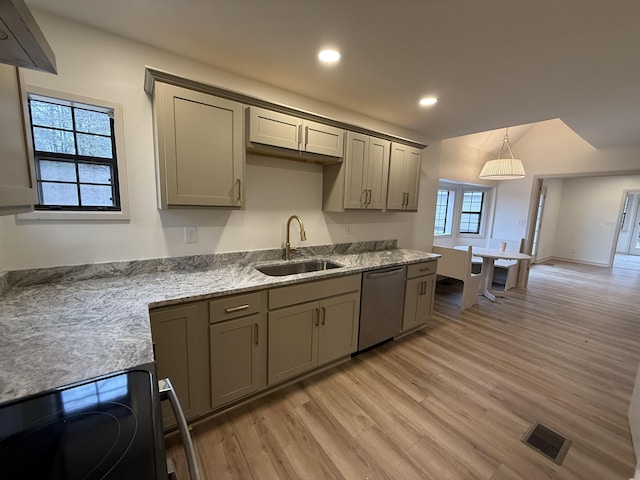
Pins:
x: 75, y: 155
x: 442, y: 211
x: 471, y: 212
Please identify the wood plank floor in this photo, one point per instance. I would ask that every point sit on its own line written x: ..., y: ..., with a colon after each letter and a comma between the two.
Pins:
x: 453, y: 400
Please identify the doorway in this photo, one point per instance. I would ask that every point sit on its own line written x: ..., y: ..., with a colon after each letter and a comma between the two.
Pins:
x: 629, y: 234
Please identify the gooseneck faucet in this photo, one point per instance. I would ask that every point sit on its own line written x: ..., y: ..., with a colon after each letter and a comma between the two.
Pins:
x: 303, y: 236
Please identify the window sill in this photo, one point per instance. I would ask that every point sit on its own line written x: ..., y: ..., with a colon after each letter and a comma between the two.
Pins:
x: 38, y: 215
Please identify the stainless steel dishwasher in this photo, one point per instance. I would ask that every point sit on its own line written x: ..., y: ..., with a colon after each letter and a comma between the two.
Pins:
x: 381, y: 305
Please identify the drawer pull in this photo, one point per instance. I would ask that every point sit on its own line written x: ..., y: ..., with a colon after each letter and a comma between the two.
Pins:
x: 425, y: 269
x: 239, y: 308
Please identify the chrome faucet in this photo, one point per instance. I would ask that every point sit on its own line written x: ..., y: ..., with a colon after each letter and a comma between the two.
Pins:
x: 303, y: 236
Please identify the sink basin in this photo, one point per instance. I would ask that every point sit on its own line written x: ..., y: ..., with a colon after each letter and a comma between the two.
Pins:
x: 282, y: 269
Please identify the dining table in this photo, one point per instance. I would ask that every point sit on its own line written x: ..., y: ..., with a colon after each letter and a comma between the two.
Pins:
x: 489, y: 256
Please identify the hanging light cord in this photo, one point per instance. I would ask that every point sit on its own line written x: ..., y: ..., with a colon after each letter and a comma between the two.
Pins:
x: 505, y: 141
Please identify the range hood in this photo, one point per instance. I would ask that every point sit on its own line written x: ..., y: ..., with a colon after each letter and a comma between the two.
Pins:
x: 22, y: 43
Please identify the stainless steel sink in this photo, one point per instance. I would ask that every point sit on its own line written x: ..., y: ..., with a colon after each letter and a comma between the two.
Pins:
x: 291, y: 268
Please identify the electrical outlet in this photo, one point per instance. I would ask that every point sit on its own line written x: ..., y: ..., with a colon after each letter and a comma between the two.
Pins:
x: 190, y: 234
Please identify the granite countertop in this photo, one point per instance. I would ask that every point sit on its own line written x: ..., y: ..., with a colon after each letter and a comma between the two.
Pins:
x: 76, y: 327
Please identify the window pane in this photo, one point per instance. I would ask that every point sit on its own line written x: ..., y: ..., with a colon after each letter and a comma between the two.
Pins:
x: 92, y: 122
x: 470, y: 223
x: 96, y: 195
x: 54, y: 141
x: 51, y: 115
x: 60, y: 171
x: 94, y: 146
x: 59, y: 194
x: 442, y: 208
x: 91, y: 173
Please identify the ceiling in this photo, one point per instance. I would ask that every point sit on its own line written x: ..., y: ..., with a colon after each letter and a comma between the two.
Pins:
x: 492, y: 63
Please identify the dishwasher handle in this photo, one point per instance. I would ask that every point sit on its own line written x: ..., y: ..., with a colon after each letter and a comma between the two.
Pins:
x: 386, y: 273
x: 167, y: 392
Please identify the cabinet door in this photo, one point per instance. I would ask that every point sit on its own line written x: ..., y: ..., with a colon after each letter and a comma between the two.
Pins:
x: 378, y: 172
x: 338, y: 333
x: 238, y: 358
x: 17, y: 178
x: 293, y: 341
x: 418, y: 303
x: 404, y: 178
x: 181, y: 349
x: 323, y: 139
x: 412, y: 178
x: 355, y: 163
x: 274, y: 128
x: 200, y: 148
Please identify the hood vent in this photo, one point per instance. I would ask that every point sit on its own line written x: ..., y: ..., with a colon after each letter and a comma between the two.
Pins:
x: 22, y: 43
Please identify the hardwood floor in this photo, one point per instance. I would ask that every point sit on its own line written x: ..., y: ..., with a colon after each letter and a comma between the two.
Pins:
x: 453, y: 400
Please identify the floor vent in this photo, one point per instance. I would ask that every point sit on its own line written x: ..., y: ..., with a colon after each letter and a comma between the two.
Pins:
x: 547, y: 442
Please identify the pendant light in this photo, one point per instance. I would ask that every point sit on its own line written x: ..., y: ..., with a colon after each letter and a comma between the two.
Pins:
x: 503, y: 168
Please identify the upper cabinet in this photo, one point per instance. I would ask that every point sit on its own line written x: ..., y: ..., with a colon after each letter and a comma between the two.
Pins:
x: 200, y: 148
x: 404, y: 178
x: 360, y: 182
x: 22, y: 43
x: 17, y: 177
x: 275, y: 129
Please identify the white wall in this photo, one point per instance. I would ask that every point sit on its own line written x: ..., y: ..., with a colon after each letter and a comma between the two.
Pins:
x: 549, y: 149
x: 99, y: 65
x: 589, y: 216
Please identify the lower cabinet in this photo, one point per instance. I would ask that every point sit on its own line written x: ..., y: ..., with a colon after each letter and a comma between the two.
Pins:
x: 238, y: 358
x: 315, y: 330
x: 419, y: 294
x: 238, y: 346
x: 181, y: 349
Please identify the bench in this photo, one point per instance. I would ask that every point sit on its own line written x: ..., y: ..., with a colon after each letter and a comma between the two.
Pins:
x: 457, y: 264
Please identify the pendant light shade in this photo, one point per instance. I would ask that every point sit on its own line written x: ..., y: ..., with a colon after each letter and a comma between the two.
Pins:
x: 503, y: 168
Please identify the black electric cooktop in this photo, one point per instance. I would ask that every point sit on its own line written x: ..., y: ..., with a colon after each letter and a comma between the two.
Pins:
x: 101, y: 429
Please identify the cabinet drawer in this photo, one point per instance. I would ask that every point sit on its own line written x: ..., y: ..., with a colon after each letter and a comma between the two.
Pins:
x: 423, y: 268
x: 235, y: 306
x: 306, y: 292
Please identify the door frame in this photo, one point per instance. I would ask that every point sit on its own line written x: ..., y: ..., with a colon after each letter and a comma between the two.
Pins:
x: 619, y: 225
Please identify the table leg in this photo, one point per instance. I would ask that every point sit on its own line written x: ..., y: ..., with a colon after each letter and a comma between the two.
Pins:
x: 487, y: 278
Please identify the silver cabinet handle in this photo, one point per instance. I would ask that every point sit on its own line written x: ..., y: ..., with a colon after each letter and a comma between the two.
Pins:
x: 167, y: 392
x: 316, y: 314
x: 369, y: 197
x: 239, y: 181
x: 239, y: 308
x: 324, y: 314
x: 306, y: 136
x: 256, y: 332
x: 300, y: 137
x: 363, y: 194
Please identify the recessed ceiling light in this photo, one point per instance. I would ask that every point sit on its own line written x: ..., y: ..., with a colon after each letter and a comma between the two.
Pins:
x: 329, y: 56
x: 428, y: 101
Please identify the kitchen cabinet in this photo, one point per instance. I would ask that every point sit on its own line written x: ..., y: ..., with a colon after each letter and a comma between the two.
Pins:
x: 404, y: 178
x: 200, y: 148
x: 267, y: 127
x: 17, y: 176
x: 419, y: 294
x: 311, y: 325
x: 181, y: 350
x: 360, y: 181
x: 238, y: 346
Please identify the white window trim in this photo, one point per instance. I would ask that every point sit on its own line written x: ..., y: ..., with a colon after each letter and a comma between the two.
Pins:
x: 118, y: 127
x: 453, y: 189
x: 459, y: 189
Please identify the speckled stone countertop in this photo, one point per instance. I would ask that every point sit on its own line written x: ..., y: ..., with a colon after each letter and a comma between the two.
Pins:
x: 63, y: 325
